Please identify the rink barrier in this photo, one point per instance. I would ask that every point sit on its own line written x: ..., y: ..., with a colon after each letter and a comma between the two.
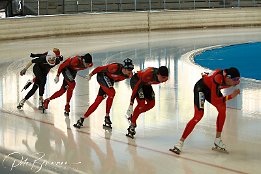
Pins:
x: 93, y: 23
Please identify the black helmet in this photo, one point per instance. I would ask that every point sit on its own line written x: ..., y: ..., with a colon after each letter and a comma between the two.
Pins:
x: 128, y: 64
x: 163, y: 71
x: 232, y: 73
x: 87, y: 58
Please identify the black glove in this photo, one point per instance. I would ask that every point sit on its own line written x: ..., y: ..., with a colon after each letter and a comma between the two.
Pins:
x: 60, y: 57
x: 23, y: 72
x: 32, y: 55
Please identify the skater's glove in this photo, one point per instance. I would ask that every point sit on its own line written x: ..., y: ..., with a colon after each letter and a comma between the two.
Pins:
x: 129, y: 111
x: 23, y: 72
x: 56, y: 79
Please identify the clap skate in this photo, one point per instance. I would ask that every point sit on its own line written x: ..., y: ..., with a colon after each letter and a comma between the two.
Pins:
x: 177, y: 148
x: 21, y: 104
x: 219, y: 146
x: 28, y: 83
x: 67, y: 110
x: 45, y: 104
x: 107, y: 122
x: 131, y: 131
x: 79, y: 123
x: 40, y: 107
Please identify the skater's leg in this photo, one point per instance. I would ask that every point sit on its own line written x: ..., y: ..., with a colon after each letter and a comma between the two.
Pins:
x: 60, y: 92
x: 198, y: 114
x: 138, y: 110
x: 71, y: 86
x: 101, y: 95
x: 221, y: 108
x: 110, y: 93
x: 220, y: 119
x: 149, y: 105
x: 94, y: 106
x: 56, y: 94
x: 31, y: 92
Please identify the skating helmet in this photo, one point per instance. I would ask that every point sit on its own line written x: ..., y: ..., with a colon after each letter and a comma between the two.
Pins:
x: 87, y: 58
x: 50, y: 58
x: 163, y: 71
x: 128, y: 64
x: 232, y: 73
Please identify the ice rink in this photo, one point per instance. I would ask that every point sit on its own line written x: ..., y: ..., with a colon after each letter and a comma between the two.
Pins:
x: 33, y: 142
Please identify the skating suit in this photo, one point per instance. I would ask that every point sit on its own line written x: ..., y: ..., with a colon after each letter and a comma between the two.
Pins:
x: 69, y: 69
x: 106, y: 77
x: 208, y: 88
x: 40, y: 69
x: 142, y: 90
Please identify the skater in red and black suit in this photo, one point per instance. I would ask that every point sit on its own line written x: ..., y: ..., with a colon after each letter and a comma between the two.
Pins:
x: 42, y: 65
x: 143, y: 92
x: 106, y: 77
x: 69, y: 69
x: 208, y: 88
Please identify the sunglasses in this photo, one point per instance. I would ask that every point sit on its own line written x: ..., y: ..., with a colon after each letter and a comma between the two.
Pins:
x: 235, y: 79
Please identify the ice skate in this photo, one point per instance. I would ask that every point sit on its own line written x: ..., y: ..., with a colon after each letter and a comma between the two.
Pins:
x: 46, y: 103
x: 21, y: 104
x: 40, y: 107
x: 131, y: 131
x: 28, y: 83
x: 107, y: 122
x: 219, y: 146
x: 79, y: 123
x: 67, y: 110
x: 177, y: 148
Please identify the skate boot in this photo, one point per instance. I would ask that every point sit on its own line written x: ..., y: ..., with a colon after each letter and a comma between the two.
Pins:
x: 177, y: 147
x: 67, y: 110
x: 107, y: 122
x: 46, y: 103
x: 131, y: 131
x: 79, y: 123
x: 21, y: 104
x: 28, y: 83
x: 219, y: 146
x: 40, y: 107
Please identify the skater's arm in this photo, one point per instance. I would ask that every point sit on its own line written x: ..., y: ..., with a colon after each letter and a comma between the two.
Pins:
x: 28, y: 65
x: 63, y: 65
x: 135, y: 90
x: 25, y: 68
x: 215, y: 99
x: 99, y: 69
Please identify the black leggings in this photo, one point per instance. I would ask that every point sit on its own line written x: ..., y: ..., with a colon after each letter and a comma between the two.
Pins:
x: 40, y: 82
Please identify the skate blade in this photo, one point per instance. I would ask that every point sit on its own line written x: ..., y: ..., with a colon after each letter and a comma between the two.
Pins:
x: 131, y: 136
x: 175, y: 151
x: 78, y: 127
x: 220, y: 150
x: 107, y: 129
x: 107, y: 126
